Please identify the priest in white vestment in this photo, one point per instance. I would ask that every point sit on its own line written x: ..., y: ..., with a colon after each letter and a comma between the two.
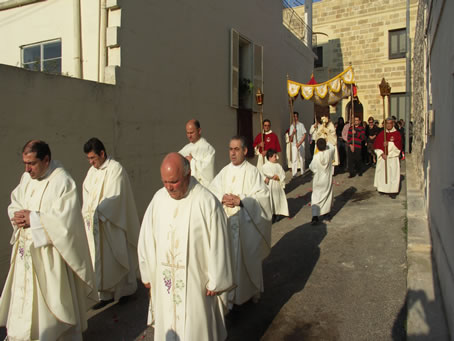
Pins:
x: 388, y: 152
x: 325, y: 130
x: 185, y: 257
x: 112, y: 225
x: 242, y: 190
x: 50, y: 284
x: 322, y: 183
x: 275, y: 179
x: 297, y: 136
x: 199, y: 153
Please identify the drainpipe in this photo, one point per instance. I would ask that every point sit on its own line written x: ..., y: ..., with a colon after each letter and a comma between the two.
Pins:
x: 308, y: 20
x: 102, y: 52
x: 408, y: 83
x: 16, y: 3
x: 78, y: 65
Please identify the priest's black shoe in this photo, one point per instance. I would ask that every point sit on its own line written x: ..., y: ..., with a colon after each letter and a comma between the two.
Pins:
x: 124, y: 299
x: 314, y: 220
x: 101, y: 304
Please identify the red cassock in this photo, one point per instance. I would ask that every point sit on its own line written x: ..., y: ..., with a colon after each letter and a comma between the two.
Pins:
x: 271, y: 142
x: 393, y: 136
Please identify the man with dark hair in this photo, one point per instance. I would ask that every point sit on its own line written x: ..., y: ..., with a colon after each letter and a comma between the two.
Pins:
x: 297, y: 135
x: 111, y: 223
x: 185, y: 257
x: 51, y: 283
x: 322, y: 183
x: 356, y: 135
x: 265, y: 141
x: 242, y: 190
x: 199, y: 153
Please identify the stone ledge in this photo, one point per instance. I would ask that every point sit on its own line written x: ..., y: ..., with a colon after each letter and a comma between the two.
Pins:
x: 425, y: 315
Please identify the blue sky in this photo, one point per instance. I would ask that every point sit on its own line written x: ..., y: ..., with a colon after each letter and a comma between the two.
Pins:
x: 294, y: 3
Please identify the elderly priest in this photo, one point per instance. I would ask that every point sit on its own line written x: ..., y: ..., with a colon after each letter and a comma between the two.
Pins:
x: 185, y: 257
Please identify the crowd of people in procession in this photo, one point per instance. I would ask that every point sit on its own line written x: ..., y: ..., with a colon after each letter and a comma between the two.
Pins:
x: 203, y: 238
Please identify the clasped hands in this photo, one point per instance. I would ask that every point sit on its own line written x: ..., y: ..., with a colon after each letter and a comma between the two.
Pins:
x: 274, y: 177
x: 21, y: 219
x: 231, y: 200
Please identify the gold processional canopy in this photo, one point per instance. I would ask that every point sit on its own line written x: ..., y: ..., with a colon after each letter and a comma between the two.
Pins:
x: 327, y: 93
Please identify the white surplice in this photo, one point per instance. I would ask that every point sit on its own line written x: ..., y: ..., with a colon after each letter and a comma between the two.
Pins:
x: 250, y: 225
x: 298, y: 154
x: 393, y: 167
x: 50, y: 284
x: 202, y: 163
x: 185, y: 249
x: 278, y: 199
x: 322, y: 183
x: 112, y: 226
x: 288, y: 153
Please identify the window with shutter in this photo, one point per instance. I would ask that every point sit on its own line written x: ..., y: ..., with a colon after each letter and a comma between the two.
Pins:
x: 397, y: 43
x: 397, y: 105
x: 234, y: 67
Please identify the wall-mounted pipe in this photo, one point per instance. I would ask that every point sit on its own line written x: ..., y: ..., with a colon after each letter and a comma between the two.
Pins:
x: 78, y: 61
x: 16, y: 3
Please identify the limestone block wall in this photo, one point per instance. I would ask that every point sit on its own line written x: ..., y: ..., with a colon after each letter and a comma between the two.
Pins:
x: 433, y: 141
x: 419, y: 96
x: 356, y: 32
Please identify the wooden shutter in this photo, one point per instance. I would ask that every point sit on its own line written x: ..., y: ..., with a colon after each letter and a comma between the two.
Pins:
x: 234, y: 67
x: 258, y: 73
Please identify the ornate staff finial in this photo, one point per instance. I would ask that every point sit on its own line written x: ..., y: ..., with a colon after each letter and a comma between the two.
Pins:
x: 385, y: 89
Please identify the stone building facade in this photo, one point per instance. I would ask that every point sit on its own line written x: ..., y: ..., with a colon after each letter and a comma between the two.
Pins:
x: 433, y: 105
x: 369, y: 35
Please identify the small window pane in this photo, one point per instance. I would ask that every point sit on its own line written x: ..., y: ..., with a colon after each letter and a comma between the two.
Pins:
x: 402, y: 44
x: 52, y: 66
x: 32, y: 66
x: 32, y: 54
x: 393, y: 43
x: 52, y: 50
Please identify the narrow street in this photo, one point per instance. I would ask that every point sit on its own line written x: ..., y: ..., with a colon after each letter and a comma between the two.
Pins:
x: 338, y: 280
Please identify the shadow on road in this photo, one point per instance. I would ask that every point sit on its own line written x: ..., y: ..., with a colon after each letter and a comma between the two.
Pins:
x: 121, y: 321
x: 429, y: 310
x: 286, y: 271
x: 296, y: 204
x: 298, y: 181
x: 341, y: 200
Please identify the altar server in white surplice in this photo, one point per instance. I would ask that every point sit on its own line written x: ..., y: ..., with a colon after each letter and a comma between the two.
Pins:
x: 185, y: 257
x: 50, y: 284
x: 322, y: 183
x: 111, y: 224
x: 199, y: 153
x: 243, y: 192
x: 275, y: 179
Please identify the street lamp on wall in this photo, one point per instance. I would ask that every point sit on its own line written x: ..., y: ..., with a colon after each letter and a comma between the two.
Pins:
x: 259, y: 97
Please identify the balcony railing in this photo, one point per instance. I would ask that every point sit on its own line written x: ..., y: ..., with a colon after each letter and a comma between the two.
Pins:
x: 296, y: 24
